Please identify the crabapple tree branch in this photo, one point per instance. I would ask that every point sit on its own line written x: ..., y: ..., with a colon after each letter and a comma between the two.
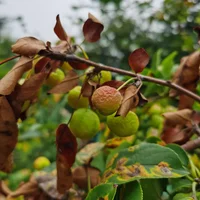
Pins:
x: 71, y: 57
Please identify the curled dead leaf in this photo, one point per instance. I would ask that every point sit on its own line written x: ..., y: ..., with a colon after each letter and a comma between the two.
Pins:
x: 28, y: 46
x: 59, y: 30
x: 81, y: 175
x: 9, y: 81
x: 92, y: 29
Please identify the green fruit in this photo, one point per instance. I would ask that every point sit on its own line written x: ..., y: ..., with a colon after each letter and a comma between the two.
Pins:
x: 55, y: 77
x: 75, y: 100
x: 101, y: 78
x: 66, y: 67
x: 106, y: 100
x: 123, y: 126
x: 157, y: 121
x: 41, y: 162
x: 155, y: 109
x: 84, y: 123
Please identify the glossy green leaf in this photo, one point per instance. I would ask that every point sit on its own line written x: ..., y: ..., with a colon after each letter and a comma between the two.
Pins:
x: 105, y: 191
x: 186, y: 196
x: 181, y: 153
x: 153, y: 188
x: 167, y: 65
x: 142, y: 162
x: 133, y: 190
x: 156, y: 60
x: 99, y: 161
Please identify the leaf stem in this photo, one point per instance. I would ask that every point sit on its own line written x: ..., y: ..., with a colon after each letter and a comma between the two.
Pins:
x: 124, y: 84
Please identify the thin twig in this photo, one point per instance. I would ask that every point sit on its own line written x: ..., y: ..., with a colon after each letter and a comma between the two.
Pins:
x: 9, y: 59
x: 69, y: 57
x: 191, y: 145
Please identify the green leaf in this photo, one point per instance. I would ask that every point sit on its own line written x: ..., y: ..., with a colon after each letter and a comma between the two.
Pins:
x: 167, y: 65
x: 143, y: 162
x: 106, y: 191
x: 132, y: 190
x: 153, y: 188
x: 99, y: 161
x: 180, y: 152
x: 186, y: 196
x: 156, y: 60
x: 180, y: 184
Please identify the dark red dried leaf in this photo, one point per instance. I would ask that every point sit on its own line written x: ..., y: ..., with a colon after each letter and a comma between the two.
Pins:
x: 66, y: 152
x: 59, y: 30
x: 9, y: 81
x: 138, y: 60
x: 92, y: 29
x: 41, y: 64
x: 70, y: 81
x: 28, y: 46
x: 78, y: 65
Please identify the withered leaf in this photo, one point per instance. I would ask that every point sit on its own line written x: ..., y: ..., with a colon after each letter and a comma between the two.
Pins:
x: 113, y: 83
x: 28, y: 91
x: 28, y: 188
x: 175, y: 135
x: 87, y: 89
x: 9, y: 81
x: 78, y: 65
x: 92, y: 29
x: 41, y: 64
x: 8, y: 165
x: 180, y: 117
x: 69, y: 82
x: 187, y: 76
x: 28, y: 46
x: 81, y: 175
x: 59, y: 30
x: 8, y: 132
x: 130, y: 101
x: 138, y: 60
x: 64, y: 47
x: 66, y: 151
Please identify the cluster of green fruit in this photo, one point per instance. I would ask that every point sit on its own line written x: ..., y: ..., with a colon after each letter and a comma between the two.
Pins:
x: 105, y: 100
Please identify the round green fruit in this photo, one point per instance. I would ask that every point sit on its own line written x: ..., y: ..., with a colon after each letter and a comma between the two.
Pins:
x: 75, y: 100
x: 55, y: 77
x: 106, y: 100
x: 155, y: 109
x: 123, y: 126
x: 157, y: 121
x: 41, y: 162
x: 84, y: 123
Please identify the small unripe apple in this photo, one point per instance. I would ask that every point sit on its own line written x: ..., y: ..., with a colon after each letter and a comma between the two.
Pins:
x: 55, y: 77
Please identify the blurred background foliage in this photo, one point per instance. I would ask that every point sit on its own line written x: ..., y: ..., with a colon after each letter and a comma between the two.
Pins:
x: 164, y: 30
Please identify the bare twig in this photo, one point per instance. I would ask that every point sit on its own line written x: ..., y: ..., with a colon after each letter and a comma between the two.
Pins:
x: 70, y: 57
x: 191, y: 145
x: 9, y: 59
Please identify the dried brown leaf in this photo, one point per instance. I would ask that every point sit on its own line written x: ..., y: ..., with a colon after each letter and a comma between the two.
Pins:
x: 8, y: 165
x: 81, y: 174
x: 87, y: 89
x: 9, y: 81
x: 28, y: 46
x: 8, y: 132
x: 180, y: 117
x: 30, y: 88
x: 66, y: 152
x: 138, y: 60
x: 28, y: 188
x: 130, y: 101
x: 64, y: 47
x: 174, y: 135
x: 92, y: 29
x: 59, y: 30
x: 69, y: 82
x: 41, y: 64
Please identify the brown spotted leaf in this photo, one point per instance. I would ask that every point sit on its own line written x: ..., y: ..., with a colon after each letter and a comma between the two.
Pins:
x: 138, y: 60
x: 28, y: 46
x: 9, y: 81
x: 180, y: 117
x: 66, y: 151
x: 92, y: 29
x: 30, y: 88
x: 69, y: 82
x: 59, y: 30
x: 130, y: 101
x: 8, y: 132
